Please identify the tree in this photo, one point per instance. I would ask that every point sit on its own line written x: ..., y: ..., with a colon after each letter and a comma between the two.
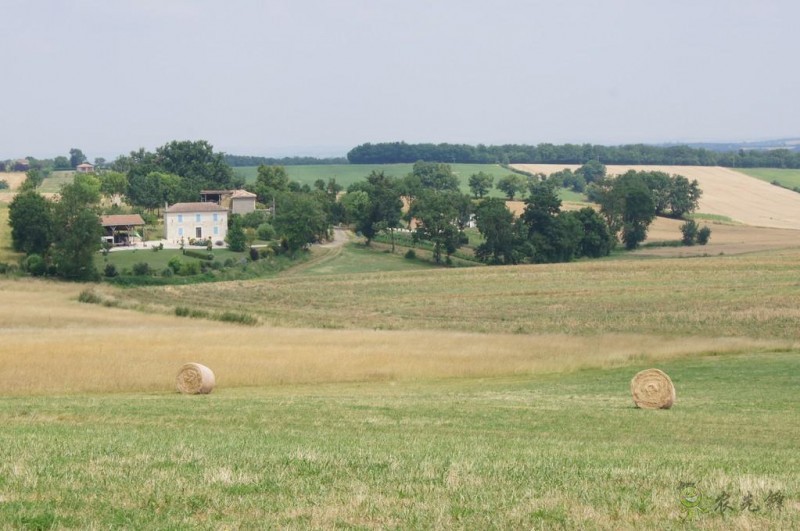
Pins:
x: 300, y: 220
x: 34, y: 178
x: 496, y: 224
x: 154, y: 189
x: 592, y: 171
x: 480, y: 183
x: 435, y: 176
x: 437, y: 217
x: 382, y: 209
x: 660, y: 185
x: 684, y: 196
x: 689, y: 232
x: 539, y: 223
x: 236, y: 237
x: 76, y: 157
x: 30, y: 218
x: 638, y: 213
x: 198, y: 166
x: 113, y: 183
x: 61, y: 163
x: 596, y: 240
x: 77, y: 231
x: 703, y: 235
x: 511, y: 185
x: 271, y: 181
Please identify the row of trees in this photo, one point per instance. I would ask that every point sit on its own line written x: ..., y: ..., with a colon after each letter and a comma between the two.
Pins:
x: 59, y: 163
x: 399, y: 152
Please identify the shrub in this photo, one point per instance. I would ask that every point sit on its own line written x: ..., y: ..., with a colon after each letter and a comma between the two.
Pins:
x: 110, y: 271
x: 35, y: 265
x: 182, y: 311
x: 254, y: 254
x: 4, y: 268
x: 175, y: 264
x: 703, y: 235
x: 234, y: 317
x: 3, y: 184
x: 167, y: 272
x: 202, y: 255
x: 189, y: 269
x: 689, y: 231
x: 411, y: 254
x: 89, y: 296
x: 265, y: 232
x: 141, y: 269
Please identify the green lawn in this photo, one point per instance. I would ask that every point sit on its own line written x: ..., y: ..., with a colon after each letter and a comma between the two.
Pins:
x: 55, y: 181
x: 541, y: 452
x: 787, y: 178
x: 158, y: 260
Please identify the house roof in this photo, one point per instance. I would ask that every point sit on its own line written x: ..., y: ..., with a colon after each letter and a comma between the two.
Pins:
x: 85, y: 165
x: 184, y: 208
x: 119, y: 220
x: 239, y: 194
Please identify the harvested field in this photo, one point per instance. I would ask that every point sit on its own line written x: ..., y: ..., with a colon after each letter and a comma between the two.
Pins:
x: 726, y: 192
x: 53, y: 344
x: 14, y: 180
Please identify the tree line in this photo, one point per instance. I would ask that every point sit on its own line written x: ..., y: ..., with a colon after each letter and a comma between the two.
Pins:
x: 247, y: 160
x: 401, y: 152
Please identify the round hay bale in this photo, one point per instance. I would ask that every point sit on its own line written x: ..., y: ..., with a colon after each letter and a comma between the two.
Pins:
x: 652, y: 389
x: 195, y: 379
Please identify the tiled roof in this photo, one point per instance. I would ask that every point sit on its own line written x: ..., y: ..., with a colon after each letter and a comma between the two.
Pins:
x: 184, y: 208
x: 242, y: 193
x: 119, y: 220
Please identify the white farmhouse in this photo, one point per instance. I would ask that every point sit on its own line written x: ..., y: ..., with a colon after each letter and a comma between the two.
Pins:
x: 200, y: 221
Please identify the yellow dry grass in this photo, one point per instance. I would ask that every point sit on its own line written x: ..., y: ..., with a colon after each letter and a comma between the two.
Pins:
x: 726, y: 192
x: 50, y: 343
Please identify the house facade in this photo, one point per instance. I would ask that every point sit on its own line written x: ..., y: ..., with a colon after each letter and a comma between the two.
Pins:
x: 198, y: 221
x: 85, y: 168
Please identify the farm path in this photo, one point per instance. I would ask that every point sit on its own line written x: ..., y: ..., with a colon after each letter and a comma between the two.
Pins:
x: 322, y: 253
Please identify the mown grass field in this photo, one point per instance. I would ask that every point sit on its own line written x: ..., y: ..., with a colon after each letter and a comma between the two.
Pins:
x: 743, y: 296
x: 539, y: 452
x: 788, y: 178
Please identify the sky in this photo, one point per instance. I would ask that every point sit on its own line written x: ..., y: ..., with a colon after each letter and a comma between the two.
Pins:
x: 311, y: 77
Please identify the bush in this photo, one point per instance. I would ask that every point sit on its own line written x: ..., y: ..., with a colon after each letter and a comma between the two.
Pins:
x: 35, y: 265
x: 189, y: 269
x: 110, y: 271
x: 411, y: 254
x: 141, y: 269
x: 89, y: 296
x: 265, y: 232
x: 175, y: 264
x: 240, y: 318
x: 3, y: 184
x: 703, y: 235
x: 167, y: 272
x: 689, y: 231
x: 254, y: 254
x: 4, y: 268
x: 202, y: 255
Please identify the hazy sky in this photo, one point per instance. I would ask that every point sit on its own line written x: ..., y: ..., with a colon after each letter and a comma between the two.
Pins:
x: 301, y: 77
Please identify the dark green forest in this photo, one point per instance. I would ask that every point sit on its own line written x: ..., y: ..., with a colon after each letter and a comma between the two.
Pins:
x: 401, y: 152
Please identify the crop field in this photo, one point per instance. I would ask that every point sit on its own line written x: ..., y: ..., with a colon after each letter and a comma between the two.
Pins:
x: 790, y: 178
x: 726, y: 192
x: 347, y: 174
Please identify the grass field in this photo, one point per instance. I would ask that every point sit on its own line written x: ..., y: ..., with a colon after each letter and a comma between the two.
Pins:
x: 542, y: 452
x: 377, y: 392
x: 347, y: 174
x: 786, y: 177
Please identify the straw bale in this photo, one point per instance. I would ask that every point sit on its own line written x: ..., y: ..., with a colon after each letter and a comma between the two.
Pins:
x: 652, y: 389
x: 195, y: 379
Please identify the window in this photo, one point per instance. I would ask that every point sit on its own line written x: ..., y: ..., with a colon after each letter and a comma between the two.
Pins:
x: 216, y: 217
x: 180, y: 218
x: 180, y: 231
x: 216, y: 230
x: 197, y: 218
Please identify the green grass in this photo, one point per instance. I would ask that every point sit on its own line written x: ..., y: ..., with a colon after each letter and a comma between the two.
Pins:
x: 788, y: 178
x: 55, y: 181
x: 358, y: 259
x: 347, y: 174
x: 542, y: 452
x: 158, y: 260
